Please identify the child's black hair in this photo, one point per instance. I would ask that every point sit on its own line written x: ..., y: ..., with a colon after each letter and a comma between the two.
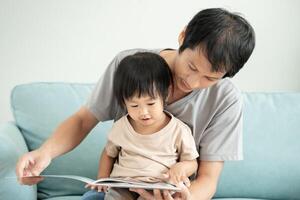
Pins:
x: 141, y: 74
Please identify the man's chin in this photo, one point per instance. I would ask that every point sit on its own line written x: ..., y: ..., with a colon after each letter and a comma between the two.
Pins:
x: 185, y: 90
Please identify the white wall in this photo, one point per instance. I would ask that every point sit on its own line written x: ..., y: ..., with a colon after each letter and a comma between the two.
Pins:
x: 73, y: 40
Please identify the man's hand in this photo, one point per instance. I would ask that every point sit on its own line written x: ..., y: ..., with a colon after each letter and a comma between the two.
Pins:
x: 184, y: 194
x: 31, y: 164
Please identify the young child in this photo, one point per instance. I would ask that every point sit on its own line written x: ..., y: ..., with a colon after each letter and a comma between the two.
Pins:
x: 147, y: 144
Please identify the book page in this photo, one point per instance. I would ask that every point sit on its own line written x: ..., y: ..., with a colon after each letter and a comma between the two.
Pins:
x: 115, y: 182
x: 78, y: 178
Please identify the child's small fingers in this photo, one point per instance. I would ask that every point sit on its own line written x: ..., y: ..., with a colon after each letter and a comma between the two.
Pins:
x: 104, y: 188
x: 187, y: 182
x: 165, y: 176
x: 174, y: 180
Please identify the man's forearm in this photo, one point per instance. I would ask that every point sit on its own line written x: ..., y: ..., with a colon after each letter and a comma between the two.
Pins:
x: 66, y: 137
x: 203, y: 188
x: 205, y: 185
x: 69, y: 133
x: 190, y: 166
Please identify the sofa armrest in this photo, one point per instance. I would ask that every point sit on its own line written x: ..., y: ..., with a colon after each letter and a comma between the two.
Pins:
x: 12, y: 146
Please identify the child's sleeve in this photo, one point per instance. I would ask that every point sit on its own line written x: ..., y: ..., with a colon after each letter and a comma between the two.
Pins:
x: 112, y: 146
x: 187, y: 147
x: 111, y: 149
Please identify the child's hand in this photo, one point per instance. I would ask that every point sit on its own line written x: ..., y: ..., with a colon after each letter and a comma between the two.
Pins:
x: 99, y: 188
x: 177, y: 174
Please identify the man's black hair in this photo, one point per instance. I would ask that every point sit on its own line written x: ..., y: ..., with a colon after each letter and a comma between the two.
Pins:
x: 226, y: 38
x: 142, y: 74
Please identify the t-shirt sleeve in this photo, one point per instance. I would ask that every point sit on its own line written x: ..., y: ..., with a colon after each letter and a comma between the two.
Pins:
x: 112, y: 146
x: 101, y: 102
x: 111, y: 149
x: 222, y: 139
x: 187, y: 147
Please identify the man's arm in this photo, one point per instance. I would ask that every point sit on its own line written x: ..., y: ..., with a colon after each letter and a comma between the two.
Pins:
x: 203, y: 188
x: 69, y: 133
x: 205, y: 185
x: 66, y: 137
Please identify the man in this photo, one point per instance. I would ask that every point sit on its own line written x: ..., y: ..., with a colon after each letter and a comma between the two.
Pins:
x: 215, y: 44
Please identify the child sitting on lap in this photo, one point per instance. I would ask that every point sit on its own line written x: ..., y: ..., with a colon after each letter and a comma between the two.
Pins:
x: 148, y: 144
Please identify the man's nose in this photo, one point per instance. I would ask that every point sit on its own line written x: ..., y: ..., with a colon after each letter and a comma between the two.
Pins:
x: 193, y: 81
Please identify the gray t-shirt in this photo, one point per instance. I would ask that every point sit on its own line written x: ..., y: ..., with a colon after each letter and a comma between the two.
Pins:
x: 214, y: 114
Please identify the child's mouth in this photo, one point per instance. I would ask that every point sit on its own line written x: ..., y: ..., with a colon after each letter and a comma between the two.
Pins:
x: 146, y: 119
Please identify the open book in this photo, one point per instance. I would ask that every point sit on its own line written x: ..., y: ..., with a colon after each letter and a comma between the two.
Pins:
x: 116, y: 182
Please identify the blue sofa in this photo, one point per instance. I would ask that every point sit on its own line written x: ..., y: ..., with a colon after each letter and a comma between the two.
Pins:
x: 270, y: 170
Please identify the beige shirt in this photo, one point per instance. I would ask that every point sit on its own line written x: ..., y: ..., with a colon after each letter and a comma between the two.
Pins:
x: 147, y: 157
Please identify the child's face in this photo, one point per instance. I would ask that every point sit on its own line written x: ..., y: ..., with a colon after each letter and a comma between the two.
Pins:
x: 145, y: 110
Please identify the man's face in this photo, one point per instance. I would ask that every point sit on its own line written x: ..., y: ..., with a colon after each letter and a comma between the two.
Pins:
x: 192, y: 70
x: 145, y: 111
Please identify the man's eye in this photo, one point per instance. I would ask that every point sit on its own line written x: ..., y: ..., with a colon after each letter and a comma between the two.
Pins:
x: 192, y: 68
x: 210, y: 79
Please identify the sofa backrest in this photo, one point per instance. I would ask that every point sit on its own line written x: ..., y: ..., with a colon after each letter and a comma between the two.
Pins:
x: 271, y: 166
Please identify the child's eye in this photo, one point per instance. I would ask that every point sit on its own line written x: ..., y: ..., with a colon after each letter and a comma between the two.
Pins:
x: 133, y: 106
x: 151, y: 104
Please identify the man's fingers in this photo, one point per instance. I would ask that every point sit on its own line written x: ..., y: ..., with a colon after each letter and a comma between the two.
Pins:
x: 21, y: 165
x: 31, y: 161
x: 26, y: 172
x: 157, y: 195
x: 35, y: 172
x: 177, y: 195
x: 143, y: 193
x: 167, y: 195
x: 31, y: 180
x: 185, y: 193
x: 21, y: 171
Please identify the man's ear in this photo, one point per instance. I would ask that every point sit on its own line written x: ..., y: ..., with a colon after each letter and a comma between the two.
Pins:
x: 181, y: 36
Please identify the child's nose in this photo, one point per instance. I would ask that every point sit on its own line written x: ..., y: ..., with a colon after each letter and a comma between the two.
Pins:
x: 144, y: 111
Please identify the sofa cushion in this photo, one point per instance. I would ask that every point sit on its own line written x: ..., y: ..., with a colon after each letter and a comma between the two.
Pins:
x: 38, y: 109
x: 271, y: 166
